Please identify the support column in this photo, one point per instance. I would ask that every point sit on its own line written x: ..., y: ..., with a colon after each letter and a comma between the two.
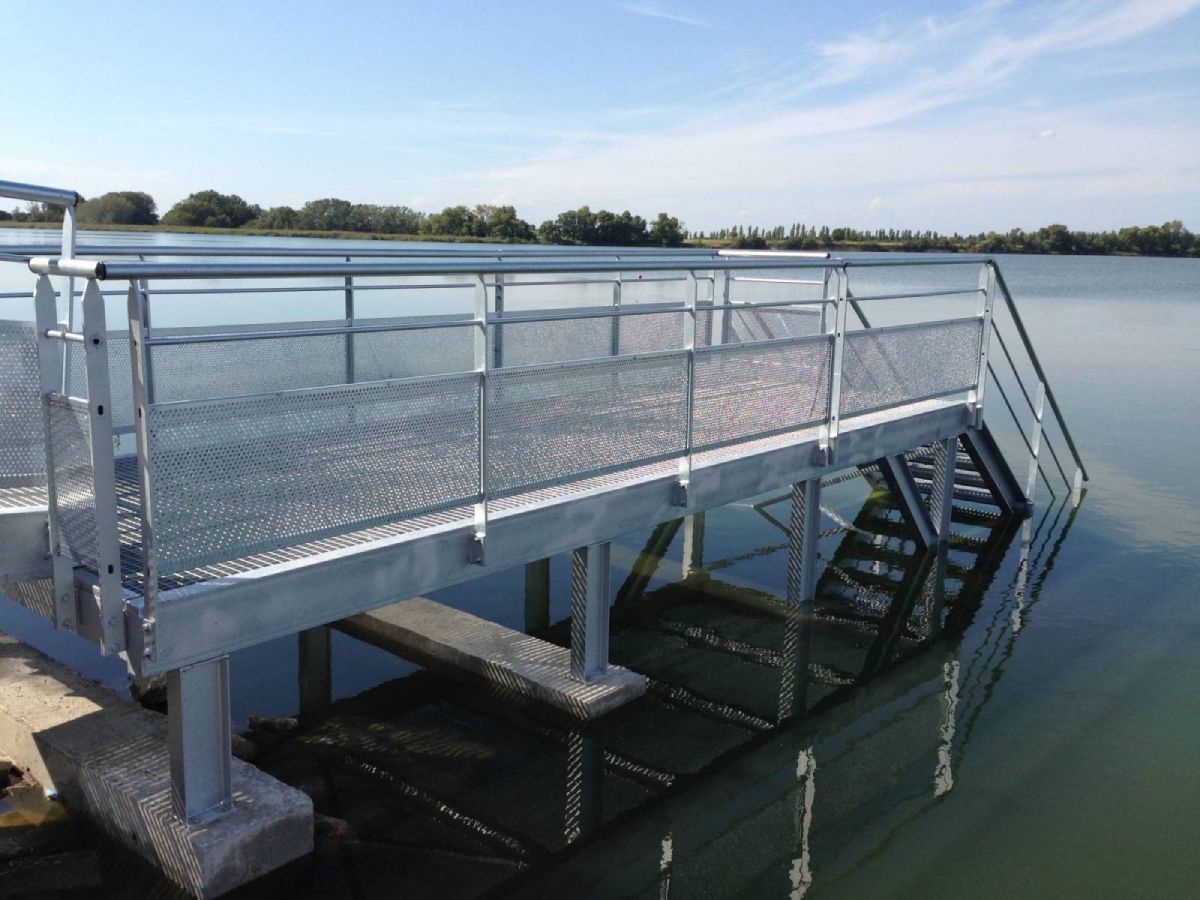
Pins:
x: 198, y: 740
x: 802, y: 543
x: 537, y: 595
x: 801, y: 590
x: 585, y: 775
x: 589, y: 611
x: 941, y: 492
x: 693, y: 544
x: 316, y: 674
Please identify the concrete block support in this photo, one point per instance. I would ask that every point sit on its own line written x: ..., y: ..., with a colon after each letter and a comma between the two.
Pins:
x: 108, y: 759
x: 460, y: 645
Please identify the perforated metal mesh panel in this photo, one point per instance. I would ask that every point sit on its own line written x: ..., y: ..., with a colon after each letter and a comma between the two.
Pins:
x: 240, y: 476
x: 747, y: 325
x: 120, y: 378
x: 540, y: 343
x: 559, y: 423
x: 885, y: 367
x: 225, y: 369
x: 22, y: 445
x: 71, y: 471
x: 746, y: 391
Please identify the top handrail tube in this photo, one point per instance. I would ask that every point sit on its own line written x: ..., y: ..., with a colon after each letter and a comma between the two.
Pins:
x: 37, y: 193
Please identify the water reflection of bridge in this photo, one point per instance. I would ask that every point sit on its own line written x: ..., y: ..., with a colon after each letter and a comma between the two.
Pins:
x: 770, y: 745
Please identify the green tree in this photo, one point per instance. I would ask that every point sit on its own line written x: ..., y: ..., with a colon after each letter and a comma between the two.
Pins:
x: 277, y: 217
x: 665, y: 230
x: 454, y: 221
x: 119, y: 208
x: 210, y: 209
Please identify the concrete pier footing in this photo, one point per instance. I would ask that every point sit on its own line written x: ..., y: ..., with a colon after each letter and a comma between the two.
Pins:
x: 107, y: 758
x: 459, y: 644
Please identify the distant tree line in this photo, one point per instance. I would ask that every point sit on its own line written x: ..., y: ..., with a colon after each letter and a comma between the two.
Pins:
x: 212, y: 209
x: 1168, y: 239
x: 483, y: 221
x: 113, y: 208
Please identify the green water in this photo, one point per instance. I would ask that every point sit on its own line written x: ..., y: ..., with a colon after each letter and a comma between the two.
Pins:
x: 961, y: 737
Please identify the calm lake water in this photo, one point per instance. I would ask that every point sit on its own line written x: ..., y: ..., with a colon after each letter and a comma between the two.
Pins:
x: 1028, y: 726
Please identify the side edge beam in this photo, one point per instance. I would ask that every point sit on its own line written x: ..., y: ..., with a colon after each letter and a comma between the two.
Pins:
x: 912, y: 505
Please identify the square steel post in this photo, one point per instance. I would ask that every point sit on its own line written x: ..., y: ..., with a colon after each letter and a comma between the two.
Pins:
x: 198, y: 739
x: 315, y: 674
x: 589, y: 611
x: 803, y: 534
x: 941, y: 492
x: 537, y: 595
x: 802, y: 542
x: 693, y: 544
x: 585, y: 782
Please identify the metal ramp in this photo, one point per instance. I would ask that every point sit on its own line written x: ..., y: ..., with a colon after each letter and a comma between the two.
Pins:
x: 214, y: 485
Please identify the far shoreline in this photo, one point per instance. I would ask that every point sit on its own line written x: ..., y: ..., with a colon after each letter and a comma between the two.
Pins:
x: 705, y: 243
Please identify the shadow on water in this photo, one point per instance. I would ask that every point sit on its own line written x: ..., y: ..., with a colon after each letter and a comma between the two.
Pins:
x: 772, y: 752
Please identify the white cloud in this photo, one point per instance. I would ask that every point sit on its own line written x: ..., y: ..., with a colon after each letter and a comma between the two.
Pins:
x: 655, y: 11
x: 778, y: 160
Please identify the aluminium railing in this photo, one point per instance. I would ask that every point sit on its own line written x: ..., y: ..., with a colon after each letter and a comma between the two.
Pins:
x: 226, y: 417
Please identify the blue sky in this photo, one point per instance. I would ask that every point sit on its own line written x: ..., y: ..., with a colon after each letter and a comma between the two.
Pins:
x: 954, y: 116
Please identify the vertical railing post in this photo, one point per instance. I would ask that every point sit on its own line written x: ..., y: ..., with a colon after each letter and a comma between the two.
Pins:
x: 830, y: 431
x: 825, y: 275
x: 481, y: 368
x: 198, y: 739
x: 987, y: 289
x: 68, y: 252
x: 498, y: 331
x: 104, y: 471
x: 50, y: 373
x: 1035, y: 441
x: 689, y: 344
x: 616, y: 320
x: 727, y: 307
x: 143, y: 399
x: 351, y: 376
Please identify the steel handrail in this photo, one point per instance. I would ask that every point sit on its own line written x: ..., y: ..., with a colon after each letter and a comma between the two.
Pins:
x: 1037, y: 367
x: 38, y: 193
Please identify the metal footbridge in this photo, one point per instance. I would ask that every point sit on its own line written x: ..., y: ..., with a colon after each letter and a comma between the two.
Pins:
x: 205, y: 449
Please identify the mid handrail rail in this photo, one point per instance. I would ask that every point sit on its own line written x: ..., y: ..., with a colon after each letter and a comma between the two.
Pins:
x: 1011, y: 305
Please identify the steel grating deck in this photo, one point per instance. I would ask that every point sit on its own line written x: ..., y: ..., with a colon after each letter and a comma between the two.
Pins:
x: 130, y: 514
